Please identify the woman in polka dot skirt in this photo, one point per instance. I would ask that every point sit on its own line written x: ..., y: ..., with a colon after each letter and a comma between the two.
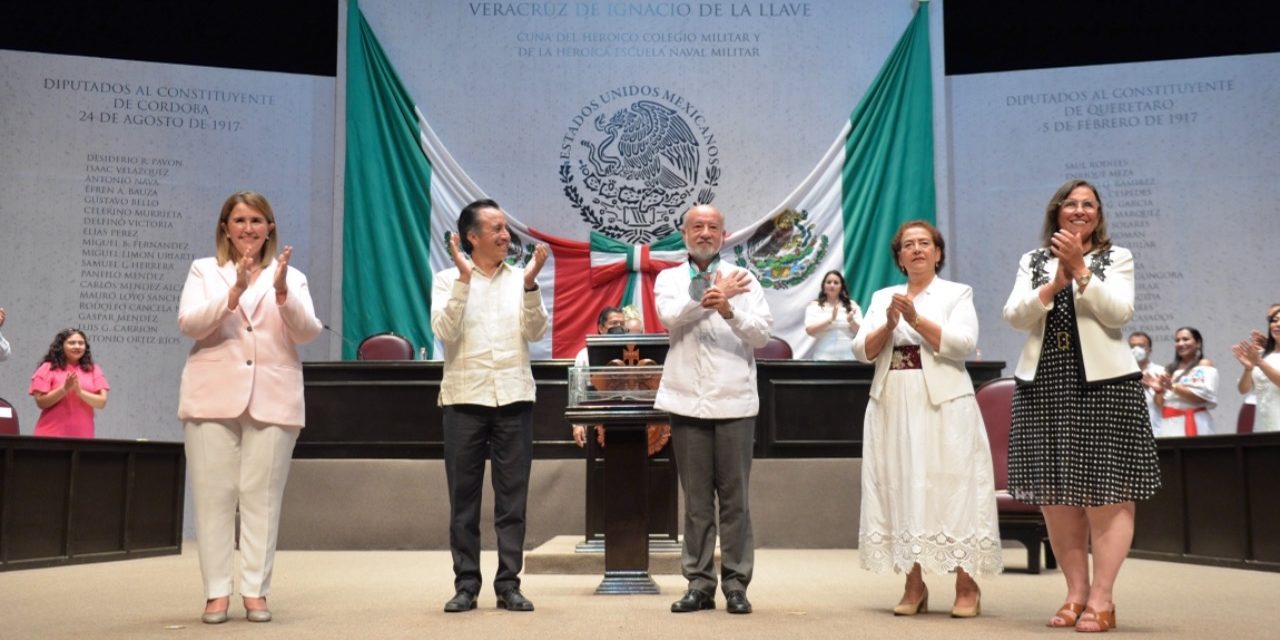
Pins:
x: 1081, y: 444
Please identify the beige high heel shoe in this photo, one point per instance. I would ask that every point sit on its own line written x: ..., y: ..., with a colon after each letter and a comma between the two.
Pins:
x: 968, y: 612
x: 912, y: 608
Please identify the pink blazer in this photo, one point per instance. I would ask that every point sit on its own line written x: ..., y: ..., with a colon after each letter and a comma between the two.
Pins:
x: 245, y: 359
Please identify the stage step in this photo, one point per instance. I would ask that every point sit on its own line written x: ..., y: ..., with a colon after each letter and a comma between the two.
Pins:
x: 568, y: 554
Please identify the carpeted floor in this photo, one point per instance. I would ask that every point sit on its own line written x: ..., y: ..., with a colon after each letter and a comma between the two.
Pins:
x: 809, y: 594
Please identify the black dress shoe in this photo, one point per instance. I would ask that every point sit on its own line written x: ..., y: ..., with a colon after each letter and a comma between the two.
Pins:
x: 462, y: 601
x: 513, y: 600
x: 693, y: 600
x: 737, y: 602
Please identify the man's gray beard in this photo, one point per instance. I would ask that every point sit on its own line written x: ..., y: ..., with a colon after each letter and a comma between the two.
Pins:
x: 703, y: 254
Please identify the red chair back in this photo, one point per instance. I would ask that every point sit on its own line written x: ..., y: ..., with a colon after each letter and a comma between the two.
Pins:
x: 385, y: 346
x: 775, y: 349
x: 8, y: 419
x: 995, y: 400
x: 1244, y: 420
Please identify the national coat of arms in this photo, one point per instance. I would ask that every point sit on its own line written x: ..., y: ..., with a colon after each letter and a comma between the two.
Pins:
x: 640, y: 165
x: 784, y: 251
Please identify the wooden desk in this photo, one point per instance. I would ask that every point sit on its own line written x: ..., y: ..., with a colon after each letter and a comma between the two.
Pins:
x: 1218, y: 504
x: 69, y: 501
x: 367, y: 409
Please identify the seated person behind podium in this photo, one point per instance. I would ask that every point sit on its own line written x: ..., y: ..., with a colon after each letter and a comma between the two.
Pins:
x: 67, y: 387
x: 633, y: 323
x: 610, y: 320
x: 613, y: 320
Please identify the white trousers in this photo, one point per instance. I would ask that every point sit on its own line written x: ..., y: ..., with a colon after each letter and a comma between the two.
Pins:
x: 237, y: 462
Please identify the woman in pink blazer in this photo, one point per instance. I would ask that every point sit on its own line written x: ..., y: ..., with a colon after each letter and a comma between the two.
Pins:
x: 241, y: 398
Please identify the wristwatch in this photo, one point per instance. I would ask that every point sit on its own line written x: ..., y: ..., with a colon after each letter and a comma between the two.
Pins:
x: 1083, y: 280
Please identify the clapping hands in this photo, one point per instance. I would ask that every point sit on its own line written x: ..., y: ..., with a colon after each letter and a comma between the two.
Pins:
x: 282, y: 269
x: 1247, y: 352
x: 246, y: 266
x: 722, y: 289
x: 1068, y: 249
x: 459, y: 258
x: 902, y: 306
x: 535, y: 265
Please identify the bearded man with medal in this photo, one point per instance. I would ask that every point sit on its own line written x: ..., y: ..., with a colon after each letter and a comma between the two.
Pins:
x: 717, y: 316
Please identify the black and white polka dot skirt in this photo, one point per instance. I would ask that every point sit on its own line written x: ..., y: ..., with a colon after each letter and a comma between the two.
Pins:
x: 1075, y: 444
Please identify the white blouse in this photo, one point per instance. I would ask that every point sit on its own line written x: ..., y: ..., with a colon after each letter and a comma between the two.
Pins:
x: 1203, y: 382
x: 1267, y: 415
x: 836, y: 341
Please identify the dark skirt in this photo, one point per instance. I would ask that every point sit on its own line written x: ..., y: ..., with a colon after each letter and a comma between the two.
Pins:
x: 1078, y: 444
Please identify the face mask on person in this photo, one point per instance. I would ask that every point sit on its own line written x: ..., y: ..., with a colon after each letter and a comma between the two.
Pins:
x: 1139, y: 353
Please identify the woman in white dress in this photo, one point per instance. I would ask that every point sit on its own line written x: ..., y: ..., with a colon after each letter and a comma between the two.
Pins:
x: 832, y: 319
x: 928, y: 493
x: 1189, y: 388
x: 1261, y: 375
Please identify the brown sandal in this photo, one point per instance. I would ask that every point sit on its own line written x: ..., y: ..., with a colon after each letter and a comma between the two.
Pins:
x: 1106, y: 620
x: 1070, y: 612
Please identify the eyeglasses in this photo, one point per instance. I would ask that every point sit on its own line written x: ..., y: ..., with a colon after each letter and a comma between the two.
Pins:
x: 1075, y: 205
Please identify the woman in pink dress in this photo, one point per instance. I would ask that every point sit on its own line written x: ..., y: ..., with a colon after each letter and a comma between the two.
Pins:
x: 67, y: 387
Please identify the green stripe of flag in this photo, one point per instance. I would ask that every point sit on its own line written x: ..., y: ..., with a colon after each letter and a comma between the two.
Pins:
x: 888, y: 168
x: 386, y: 272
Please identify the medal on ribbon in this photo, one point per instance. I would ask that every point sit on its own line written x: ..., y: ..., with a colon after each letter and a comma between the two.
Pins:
x: 698, y: 285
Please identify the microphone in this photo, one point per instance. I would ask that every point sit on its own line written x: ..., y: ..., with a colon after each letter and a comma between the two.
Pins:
x: 345, y: 341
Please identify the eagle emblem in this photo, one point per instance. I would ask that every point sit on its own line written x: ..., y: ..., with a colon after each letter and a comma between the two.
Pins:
x: 641, y: 167
x: 784, y: 251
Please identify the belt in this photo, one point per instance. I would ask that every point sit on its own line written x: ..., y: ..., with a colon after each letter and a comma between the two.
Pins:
x: 1189, y: 417
x: 905, y: 357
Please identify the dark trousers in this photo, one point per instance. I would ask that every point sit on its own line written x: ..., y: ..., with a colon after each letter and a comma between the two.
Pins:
x: 713, y: 460
x: 504, y: 435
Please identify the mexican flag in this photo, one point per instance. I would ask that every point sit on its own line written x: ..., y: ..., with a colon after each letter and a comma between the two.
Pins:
x: 387, y: 204
x: 404, y: 189
x: 876, y: 175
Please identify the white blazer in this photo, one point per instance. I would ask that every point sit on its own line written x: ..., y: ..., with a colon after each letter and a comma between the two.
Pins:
x: 1101, y: 313
x: 247, y: 359
x: 950, y: 305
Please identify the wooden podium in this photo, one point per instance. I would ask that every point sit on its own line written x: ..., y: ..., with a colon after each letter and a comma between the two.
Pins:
x: 617, y: 393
